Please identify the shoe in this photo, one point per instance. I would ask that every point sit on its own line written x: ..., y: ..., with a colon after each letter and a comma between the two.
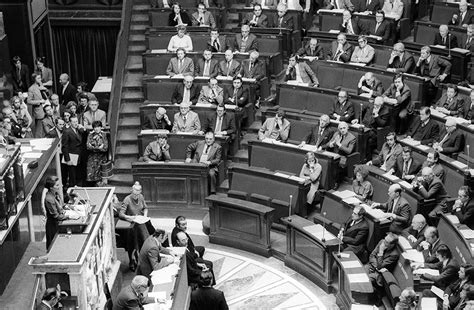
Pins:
x: 336, y: 186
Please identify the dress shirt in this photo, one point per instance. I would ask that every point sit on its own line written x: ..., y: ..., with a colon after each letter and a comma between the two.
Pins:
x: 186, y: 94
x: 218, y: 124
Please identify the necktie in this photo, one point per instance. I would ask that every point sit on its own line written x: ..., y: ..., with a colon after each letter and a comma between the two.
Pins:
x: 186, y: 95
x: 206, y: 68
x: 468, y: 42
x: 228, y: 67
x: 184, y: 119
x: 444, y: 139
x: 280, y: 22
x: 405, y: 168
x: 368, y: 3
x: 251, y: 66
x: 312, y: 52
x: 444, y: 40
x: 64, y: 89
x: 93, y: 116
x: 180, y: 64
x: 206, y: 150
x: 216, y: 45
x: 377, y: 27
x: 218, y: 124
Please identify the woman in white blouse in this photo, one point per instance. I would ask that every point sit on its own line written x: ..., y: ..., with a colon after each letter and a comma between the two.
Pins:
x: 180, y: 40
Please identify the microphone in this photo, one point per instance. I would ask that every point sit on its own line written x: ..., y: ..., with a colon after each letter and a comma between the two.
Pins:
x: 449, y: 45
x: 289, y: 209
x: 468, y: 157
x: 340, y: 235
x: 324, y: 227
x: 360, y: 116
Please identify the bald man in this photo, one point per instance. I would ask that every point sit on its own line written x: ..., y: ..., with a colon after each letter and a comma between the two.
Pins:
x: 397, y: 208
x: 415, y: 234
x: 445, y: 38
x: 452, y: 141
x: 67, y: 91
x: 463, y: 17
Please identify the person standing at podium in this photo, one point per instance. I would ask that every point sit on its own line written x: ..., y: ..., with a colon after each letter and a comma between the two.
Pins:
x: 53, y: 205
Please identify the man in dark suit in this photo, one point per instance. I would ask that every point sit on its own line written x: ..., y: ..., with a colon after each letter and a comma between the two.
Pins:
x: 236, y: 94
x: 450, y: 102
x: 341, y: 50
x: 312, y: 49
x: 207, y: 66
x: 463, y: 207
x: 342, y: 110
x: 186, y: 92
x: 397, y: 208
x: 319, y: 135
x: 430, y: 245
x: 343, y: 143
x: 50, y: 299
x: 363, y: 6
x: 463, y: 17
x: 48, y: 123
x: 424, y: 129
x: 351, y: 25
x: 159, y: 120
x: 58, y: 129
x: 451, y: 141
x: 468, y: 43
x: 67, y: 91
x: 206, y: 297
x: 182, y: 225
x: 431, y: 187
x: 384, y: 256
x: 380, y: 28
x: 448, y: 269
x: 432, y: 161
x: 256, y: 19
x: 220, y: 123
x: 20, y: 75
x: 253, y: 68
x: 406, y: 167
x: 229, y: 66
x: 149, y: 258
x: 283, y: 20
x: 133, y: 296
x: 356, y: 233
x: 415, y: 234
x: 445, y: 38
x: 400, y: 61
x: 208, y: 153
x: 215, y: 44
x: 243, y: 42
x: 72, y: 149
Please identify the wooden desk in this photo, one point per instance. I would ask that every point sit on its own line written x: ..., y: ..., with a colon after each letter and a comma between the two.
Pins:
x: 176, y: 184
x: 289, y: 158
x: 307, y: 254
x: 348, y: 290
x: 240, y: 224
x: 450, y: 234
x: 83, y: 263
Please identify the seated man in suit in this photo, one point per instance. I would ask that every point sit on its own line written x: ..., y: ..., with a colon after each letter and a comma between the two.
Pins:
x: 434, y: 68
x: 430, y: 245
x: 415, y: 234
x: 186, y: 92
x: 388, y: 154
x: 369, y: 86
x: 186, y: 120
x: 393, y: 9
x: 312, y: 49
x: 450, y: 102
x: 320, y: 135
x: 342, y: 109
x: 371, y: 6
x: 463, y: 17
x: 207, y: 66
x: 236, y: 94
x: 221, y: 123
x: 134, y: 295
x: 211, y: 93
x: 180, y: 40
x: 256, y: 19
x: 356, y: 233
x: 243, y: 42
x: 153, y: 256
x: 181, y: 225
x: 48, y: 122
x: 276, y: 128
x: 253, y: 68
x: 206, y: 297
x: 158, y: 150
x: 398, y: 95
x: 338, y: 5
x: 397, y: 209
x: 400, y: 61
x: 229, y: 66
x: 445, y: 38
x: 300, y: 72
x: 432, y: 161
x: 159, y: 120
x: 363, y: 53
x: 343, y: 143
x: 469, y: 108
x: 180, y: 65
x: 451, y: 141
x: 283, y: 20
x: 215, y: 44
x: 93, y: 114
x: 463, y: 207
x: 424, y: 129
x: 431, y: 187
x: 202, y: 17
x: 384, y: 257
x: 341, y: 50
x: 209, y: 153
x: 406, y: 167
x: 468, y: 44
x: 351, y: 25
x: 266, y: 4
x: 380, y: 28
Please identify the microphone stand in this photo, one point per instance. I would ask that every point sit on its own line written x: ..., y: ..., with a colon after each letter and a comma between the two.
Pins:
x: 449, y: 45
x: 289, y: 209
x: 324, y: 227
x: 341, y: 233
x: 468, y: 158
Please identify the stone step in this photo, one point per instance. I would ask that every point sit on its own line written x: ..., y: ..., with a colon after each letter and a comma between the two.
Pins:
x: 134, y: 62
x: 136, y: 37
x: 128, y: 135
x: 245, y: 140
x: 140, y: 18
x: 254, y: 127
x: 128, y: 95
x: 140, y: 8
x: 133, y: 80
x: 241, y: 157
x: 121, y: 179
x: 129, y: 108
x: 130, y: 149
x: 138, y: 27
x: 124, y: 163
x: 129, y: 121
x: 136, y: 49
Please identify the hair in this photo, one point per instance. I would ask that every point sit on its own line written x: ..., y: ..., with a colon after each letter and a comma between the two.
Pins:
x: 309, y: 155
x: 71, y: 104
x: 296, y: 56
x: 136, y: 186
x: 444, y: 251
x: 159, y: 232
x: 40, y: 59
x: 181, y: 27
x: 380, y: 12
x: 50, y: 181
x: 180, y: 49
x: 138, y: 281
x: 432, y: 231
x: 176, y: 4
x: 221, y: 105
x: 361, y: 212
x: 50, y: 293
x: 16, y: 59
x: 426, y: 110
x: 455, y: 87
x: 46, y: 106
x: 83, y: 85
x: 398, y: 76
x: 96, y: 124
x: 469, y: 272
x: 362, y: 37
x: 362, y: 169
x: 257, y: 4
x: 467, y: 191
x: 426, y: 48
x: 406, y: 149
x: 179, y: 219
x: 408, y: 296
x: 391, y: 134
x: 237, y: 78
x: 34, y: 75
x: 206, y: 278
x: 281, y: 113
x: 435, y: 155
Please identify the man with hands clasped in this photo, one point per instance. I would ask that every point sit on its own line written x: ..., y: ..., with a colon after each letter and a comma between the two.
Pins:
x: 342, y: 109
x: 300, y: 72
x: 341, y: 50
x: 211, y: 93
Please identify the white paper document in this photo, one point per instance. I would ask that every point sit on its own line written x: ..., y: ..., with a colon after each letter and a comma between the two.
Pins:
x: 467, y: 233
x: 159, y: 295
x: 404, y: 243
x: 453, y: 218
x: 351, y: 264
x: 414, y: 256
x: 26, y: 148
x: 344, y: 194
x: 459, y: 164
x: 178, y: 250
x: 432, y: 272
x: 429, y: 303
x: 389, y: 176
x: 33, y: 155
x: 352, y: 201
x: 437, y: 291
x: 358, y: 277
x: 405, y: 184
x: 140, y: 219
x: 281, y: 175
x: 317, y: 231
x: 73, y: 157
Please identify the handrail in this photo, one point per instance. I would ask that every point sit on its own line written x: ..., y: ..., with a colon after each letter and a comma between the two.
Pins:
x: 38, y: 289
x: 121, y: 53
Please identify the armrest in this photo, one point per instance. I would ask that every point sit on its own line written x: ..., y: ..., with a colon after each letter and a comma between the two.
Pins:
x: 237, y: 194
x: 260, y: 199
x: 318, y: 219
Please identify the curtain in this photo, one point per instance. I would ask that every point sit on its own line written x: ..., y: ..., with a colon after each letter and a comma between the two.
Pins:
x: 84, y: 52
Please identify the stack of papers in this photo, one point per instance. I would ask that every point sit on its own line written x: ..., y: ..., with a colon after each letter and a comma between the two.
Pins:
x: 375, y: 213
x: 432, y: 272
x: 414, y: 256
x: 344, y: 194
x: 351, y: 201
x: 404, y: 243
x: 467, y: 233
x: 423, y: 147
x: 358, y: 277
x: 405, y: 184
x: 452, y: 218
x: 351, y: 264
x: 140, y: 219
x: 162, y: 76
x: 281, y: 175
x: 459, y: 164
x: 317, y: 231
x: 411, y: 142
x: 429, y: 303
x: 164, y: 275
x: 178, y: 250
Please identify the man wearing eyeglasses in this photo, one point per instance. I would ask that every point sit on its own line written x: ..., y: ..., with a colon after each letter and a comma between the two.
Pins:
x: 452, y: 141
x: 463, y: 207
x: 364, y: 53
x: 341, y: 50
x: 342, y: 109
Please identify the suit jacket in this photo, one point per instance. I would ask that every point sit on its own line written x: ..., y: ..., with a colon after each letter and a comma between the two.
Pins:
x: 208, y: 298
x: 347, y: 145
x: 314, y: 138
x: 34, y: 95
x: 69, y: 94
x: 268, y: 130
x: 439, y: 41
x: 468, y: 19
x: 213, y: 68
x: 22, y: 80
x: 434, y: 68
x: 194, y: 271
x: 433, y: 190
x: 47, y: 125
x: 286, y: 22
x: 447, y: 274
x: 453, y: 144
x: 236, y: 44
x: 404, y: 100
x: 384, y: 30
x: 99, y: 116
x: 438, y: 170
x: 208, y: 19
x: 426, y: 134
x: 266, y: 3
x: 365, y: 55
x: 262, y: 20
x: 388, y: 155
x: 412, y: 170
x: 456, y: 107
x: 242, y: 96
x: 186, y: 69
x: 346, y: 112
x: 196, y: 149
x: 257, y: 72
x: 466, y: 214
x: 306, y: 51
x: 46, y: 75
x: 71, y: 143
x: 361, y: 5
x: 345, y: 56
x: 192, y: 123
x: 343, y: 4
x: 403, y: 211
x: 357, y: 26
x: 153, y: 152
x: 355, y: 238
x: 404, y: 65
x: 178, y: 93
x: 394, y: 10
x: 419, y: 235
x: 429, y: 255
x: 222, y: 46
x: 151, y: 122
x: 228, y: 123
x: 388, y: 260
x: 233, y: 70
x: 306, y: 73
x: 376, y: 87
x: 184, y: 18
x: 467, y: 44
x: 149, y: 257
x: 127, y: 299
x: 207, y: 96
x: 380, y: 121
